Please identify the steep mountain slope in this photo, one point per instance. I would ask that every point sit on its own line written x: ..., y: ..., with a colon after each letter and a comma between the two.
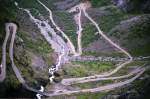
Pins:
x: 33, y: 55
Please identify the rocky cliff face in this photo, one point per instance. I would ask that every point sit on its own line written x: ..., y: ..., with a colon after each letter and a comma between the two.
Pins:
x: 133, y: 5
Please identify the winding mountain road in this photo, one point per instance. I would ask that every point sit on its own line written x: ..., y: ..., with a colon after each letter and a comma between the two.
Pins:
x: 58, y: 48
x: 99, y: 89
x: 3, y: 61
x: 15, y: 69
x: 71, y: 80
x: 11, y: 28
x: 79, y: 31
x: 58, y: 28
x: 134, y: 72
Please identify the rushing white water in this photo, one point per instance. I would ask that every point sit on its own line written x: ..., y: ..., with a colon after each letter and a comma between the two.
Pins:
x: 60, y: 59
x: 39, y: 95
x: 71, y: 46
x: 63, y: 49
x: 57, y: 43
x: 46, y: 30
x: 55, y: 68
x: 18, y: 74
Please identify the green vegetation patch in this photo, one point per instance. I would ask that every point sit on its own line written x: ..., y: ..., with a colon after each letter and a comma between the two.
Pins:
x: 23, y: 64
x: 129, y: 67
x: 78, y: 68
x: 39, y: 45
x: 141, y: 31
x: 91, y: 95
x: 138, y: 36
x: 99, y: 3
x: 137, y: 63
x: 88, y: 35
x: 107, y: 22
x: 66, y: 22
x: 31, y: 4
x: 141, y: 50
x: 8, y: 12
x: 11, y: 81
x: 94, y: 84
x: 109, y: 54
